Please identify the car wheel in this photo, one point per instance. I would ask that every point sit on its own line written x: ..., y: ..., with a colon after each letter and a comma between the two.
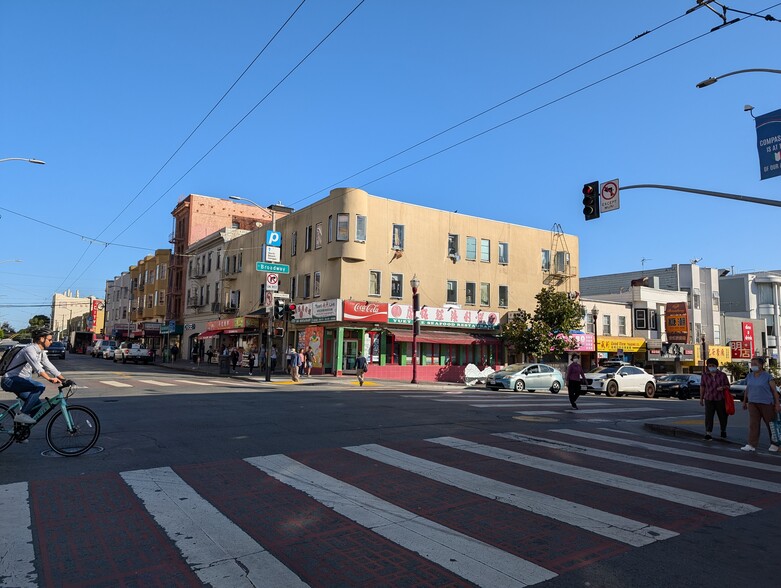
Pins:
x: 555, y: 388
x: 612, y: 389
x: 520, y: 385
x: 650, y: 390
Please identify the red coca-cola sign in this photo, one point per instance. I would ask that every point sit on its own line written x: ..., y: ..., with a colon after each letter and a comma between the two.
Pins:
x: 367, y: 312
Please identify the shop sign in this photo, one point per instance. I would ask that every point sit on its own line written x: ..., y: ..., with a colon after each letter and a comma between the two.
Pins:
x: 676, y: 320
x: 672, y: 352
x: 748, y: 335
x: 163, y: 330
x: 319, y: 311
x: 624, y: 344
x: 740, y: 350
x: 653, y: 344
x: 722, y: 353
x: 444, y: 317
x: 152, y: 327
x: 584, y: 341
x: 368, y: 312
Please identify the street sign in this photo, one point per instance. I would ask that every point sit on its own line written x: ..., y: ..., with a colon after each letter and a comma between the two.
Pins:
x: 608, y: 196
x: 272, y: 254
x: 272, y: 282
x: 277, y: 268
x: 274, y: 238
x: 189, y: 327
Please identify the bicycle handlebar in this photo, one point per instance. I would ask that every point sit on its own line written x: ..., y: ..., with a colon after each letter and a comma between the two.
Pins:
x: 66, y: 384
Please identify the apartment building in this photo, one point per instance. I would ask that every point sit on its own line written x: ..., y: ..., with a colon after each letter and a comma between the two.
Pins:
x: 148, y: 287
x: 352, y: 258
x: 66, y: 306
x: 118, y: 304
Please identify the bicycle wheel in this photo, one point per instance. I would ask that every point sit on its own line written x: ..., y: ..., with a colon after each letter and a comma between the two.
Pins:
x: 86, y: 429
x: 6, y: 426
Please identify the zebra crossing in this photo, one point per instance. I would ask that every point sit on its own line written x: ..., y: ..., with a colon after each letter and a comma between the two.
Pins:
x: 504, y: 509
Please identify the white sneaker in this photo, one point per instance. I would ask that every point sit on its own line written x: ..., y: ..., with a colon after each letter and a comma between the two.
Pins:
x: 773, y: 448
x: 748, y: 448
x: 25, y: 419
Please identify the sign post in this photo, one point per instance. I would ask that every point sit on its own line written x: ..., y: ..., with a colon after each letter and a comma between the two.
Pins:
x: 608, y: 196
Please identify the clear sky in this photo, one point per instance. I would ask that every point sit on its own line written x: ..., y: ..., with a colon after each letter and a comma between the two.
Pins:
x: 105, y: 92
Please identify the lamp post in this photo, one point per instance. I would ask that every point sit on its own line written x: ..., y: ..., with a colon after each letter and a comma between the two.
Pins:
x: 594, y: 315
x: 415, y: 283
x: 711, y: 81
x: 37, y: 161
x: 273, y: 212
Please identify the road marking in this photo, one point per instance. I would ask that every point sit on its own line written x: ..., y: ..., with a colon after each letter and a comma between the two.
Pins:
x: 116, y: 384
x: 157, y: 383
x: 591, y: 411
x: 17, y: 554
x: 520, y: 404
x: 216, y: 549
x: 683, y: 452
x: 194, y: 383
x: 478, y: 562
x: 232, y: 383
x: 538, y: 401
x: 727, y: 507
x: 602, y: 523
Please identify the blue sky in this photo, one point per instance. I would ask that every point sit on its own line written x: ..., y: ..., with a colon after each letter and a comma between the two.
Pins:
x: 104, y: 92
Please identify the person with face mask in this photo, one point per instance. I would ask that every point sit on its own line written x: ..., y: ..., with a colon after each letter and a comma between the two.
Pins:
x: 575, y: 377
x: 762, y: 402
x: 713, y: 386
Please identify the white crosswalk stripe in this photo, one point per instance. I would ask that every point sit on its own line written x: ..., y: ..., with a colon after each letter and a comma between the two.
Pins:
x: 17, y: 554
x: 157, y: 383
x: 194, y: 382
x: 116, y: 384
x: 589, y: 411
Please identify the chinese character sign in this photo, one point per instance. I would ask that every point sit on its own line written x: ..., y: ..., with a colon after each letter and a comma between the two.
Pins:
x: 676, y: 321
x: 748, y: 336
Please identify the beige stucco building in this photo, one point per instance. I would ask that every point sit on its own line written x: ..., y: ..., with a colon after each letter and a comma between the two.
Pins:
x: 66, y: 307
x: 351, y: 257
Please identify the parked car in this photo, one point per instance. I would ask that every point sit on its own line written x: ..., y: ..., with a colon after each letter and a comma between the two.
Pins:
x: 682, y: 386
x: 95, y: 350
x: 620, y: 379
x: 738, y: 389
x: 121, y: 352
x: 135, y: 352
x: 519, y: 377
x: 56, y: 350
x: 108, y: 349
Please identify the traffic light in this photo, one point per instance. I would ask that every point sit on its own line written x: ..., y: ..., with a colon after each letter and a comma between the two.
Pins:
x: 290, y: 311
x: 591, y: 200
x: 279, y: 309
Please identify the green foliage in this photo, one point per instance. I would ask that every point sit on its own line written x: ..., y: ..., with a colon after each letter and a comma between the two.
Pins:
x: 547, y: 330
x: 738, y: 369
x: 39, y: 320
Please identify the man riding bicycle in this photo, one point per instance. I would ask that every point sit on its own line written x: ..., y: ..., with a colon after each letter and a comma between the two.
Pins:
x: 18, y: 379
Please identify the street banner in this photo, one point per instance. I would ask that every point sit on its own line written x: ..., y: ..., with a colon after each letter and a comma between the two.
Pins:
x: 676, y: 320
x: 769, y: 144
x: 748, y: 336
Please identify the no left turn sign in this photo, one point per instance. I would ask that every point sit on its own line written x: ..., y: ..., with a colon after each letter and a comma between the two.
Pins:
x: 608, y: 196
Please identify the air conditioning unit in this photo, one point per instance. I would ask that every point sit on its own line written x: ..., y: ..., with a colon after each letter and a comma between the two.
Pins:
x: 510, y: 316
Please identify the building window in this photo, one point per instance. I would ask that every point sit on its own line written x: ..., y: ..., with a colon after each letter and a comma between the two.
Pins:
x: 207, y: 295
x: 696, y: 298
x: 652, y: 320
x: 308, y: 238
x: 200, y: 298
x: 716, y: 302
x: 217, y: 292
x: 485, y: 294
x: 397, y: 288
x: 219, y: 251
x: 360, y: 228
x: 239, y: 262
x: 208, y: 287
x: 293, y: 243
x: 375, y: 279
x: 622, y: 325
x: 330, y: 228
x: 504, y: 296
x: 316, y: 287
x: 641, y: 319
x: 208, y: 263
x: 307, y: 285
x: 342, y: 227
x: 561, y: 261
x: 235, y: 299
x: 765, y: 293
x: 545, y: 260
x: 504, y: 253
x: 470, y: 293
x: 452, y: 246
x: 471, y: 249
x: 605, y: 324
x: 293, y: 286
x: 398, y: 237
x: 716, y: 335
x: 318, y: 235
x: 452, y: 292
x: 485, y: 250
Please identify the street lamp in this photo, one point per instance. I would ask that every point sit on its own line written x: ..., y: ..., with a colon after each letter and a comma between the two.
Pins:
x: 38, y: 161
x: 594, y: 315
x: 415, y: 283
x: 711, y: 81
x: 273, y: 212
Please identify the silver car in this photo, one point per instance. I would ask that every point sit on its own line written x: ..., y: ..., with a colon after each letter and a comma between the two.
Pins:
x: 526, y: 376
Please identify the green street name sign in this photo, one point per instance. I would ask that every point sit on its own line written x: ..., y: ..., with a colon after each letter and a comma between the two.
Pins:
x: 276, y: 268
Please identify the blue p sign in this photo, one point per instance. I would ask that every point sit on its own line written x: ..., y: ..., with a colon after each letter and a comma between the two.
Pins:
x: 273, y: 238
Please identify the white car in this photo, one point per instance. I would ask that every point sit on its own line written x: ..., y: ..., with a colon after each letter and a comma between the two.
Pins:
x: 620, y: 379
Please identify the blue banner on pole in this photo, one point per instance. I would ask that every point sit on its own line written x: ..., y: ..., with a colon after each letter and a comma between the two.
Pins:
x: 769, y: 144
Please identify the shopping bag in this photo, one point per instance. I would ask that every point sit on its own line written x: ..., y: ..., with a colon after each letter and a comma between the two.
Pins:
x: 729, y: 403
x: 775, y: 429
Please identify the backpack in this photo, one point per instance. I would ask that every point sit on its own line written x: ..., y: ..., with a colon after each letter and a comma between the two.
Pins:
x: 8, y: 358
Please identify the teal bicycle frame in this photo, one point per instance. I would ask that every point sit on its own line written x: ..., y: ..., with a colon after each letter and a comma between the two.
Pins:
x: 47, y: 405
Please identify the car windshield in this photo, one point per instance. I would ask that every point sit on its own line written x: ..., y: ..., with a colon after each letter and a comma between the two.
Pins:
x: 675, y: 378
x: 740, y: 383
x: 604, y: 370
x: 514, y: 367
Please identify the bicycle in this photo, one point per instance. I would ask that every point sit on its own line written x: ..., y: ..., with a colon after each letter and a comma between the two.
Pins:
x: 72, y: 431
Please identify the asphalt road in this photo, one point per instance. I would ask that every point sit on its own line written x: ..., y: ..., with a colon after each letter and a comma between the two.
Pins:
x: 222, y: 481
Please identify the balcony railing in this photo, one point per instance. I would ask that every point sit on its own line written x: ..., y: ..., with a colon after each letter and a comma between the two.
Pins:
x: 230, y: 309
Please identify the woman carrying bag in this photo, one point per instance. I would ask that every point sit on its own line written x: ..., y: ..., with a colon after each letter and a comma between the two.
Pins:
x: 714, y: 387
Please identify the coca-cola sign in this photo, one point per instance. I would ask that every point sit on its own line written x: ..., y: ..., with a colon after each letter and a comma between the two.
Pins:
x: 367, y: 312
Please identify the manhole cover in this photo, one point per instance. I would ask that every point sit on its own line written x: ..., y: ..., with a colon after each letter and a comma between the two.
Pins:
x: 93, y: 451
x: 536, y: 419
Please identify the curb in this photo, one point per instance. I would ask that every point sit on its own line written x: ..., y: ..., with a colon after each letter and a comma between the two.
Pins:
x: 672, y: 431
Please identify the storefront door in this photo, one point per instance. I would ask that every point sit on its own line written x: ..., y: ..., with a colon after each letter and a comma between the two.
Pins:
x: 349, y: 354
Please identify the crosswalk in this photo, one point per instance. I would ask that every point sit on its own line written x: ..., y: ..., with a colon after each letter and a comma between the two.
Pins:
x: 507, y: 509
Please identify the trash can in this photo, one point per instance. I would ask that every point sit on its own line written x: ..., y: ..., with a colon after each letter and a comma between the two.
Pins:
x: 225, y: 368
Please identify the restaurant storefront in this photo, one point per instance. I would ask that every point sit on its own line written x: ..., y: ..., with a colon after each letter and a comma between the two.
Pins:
x: 628, y: 349
x: 242, y: 332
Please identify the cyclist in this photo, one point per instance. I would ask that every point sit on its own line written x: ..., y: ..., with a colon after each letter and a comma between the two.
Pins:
x: 31, y: 360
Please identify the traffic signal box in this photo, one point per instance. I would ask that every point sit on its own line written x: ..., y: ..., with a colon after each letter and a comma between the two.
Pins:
x: 591, y: 200
x: 279, y: 309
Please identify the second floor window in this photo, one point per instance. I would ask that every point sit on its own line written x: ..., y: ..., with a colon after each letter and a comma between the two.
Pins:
x: 397, y: 281
x: 318, y: 235
x: 452, y: 291
x: 375, y: 279
x: 485, y: 250
x: 504, y: 296
x: 452, y: 245
x: 360, y: 228
x: 622, y: 325
x: 330, y: 228
x: 342, y: 227
x: 398, y: 237
x: 307, y: 285
x: 471, y: 248
x: 485, y: 294
x: 308, y: 239
x: 504, y: 253
x: 605, y: 324
x: 470, y: 293
x: 316, y: 287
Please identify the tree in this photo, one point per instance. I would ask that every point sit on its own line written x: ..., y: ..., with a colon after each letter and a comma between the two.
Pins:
x: 547, y: 330
x: 39, y: 320
x: 7, y: 329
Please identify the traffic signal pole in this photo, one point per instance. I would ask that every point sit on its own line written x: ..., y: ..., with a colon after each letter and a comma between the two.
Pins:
x: 740, y: 197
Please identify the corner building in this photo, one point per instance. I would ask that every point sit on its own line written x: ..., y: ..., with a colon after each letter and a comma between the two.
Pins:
x: 352, y: 256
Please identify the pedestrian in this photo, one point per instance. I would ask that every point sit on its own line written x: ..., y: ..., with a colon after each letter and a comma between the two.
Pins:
x: 361, y: 367
x: 234, y: 358
x: 295, y: 363
x: 251, y: 359
x: 762, y: 402
x: 262, y: 362
x: 310, y: 359
x: 196, y: 354
x: 174, y: 352
x: 289, y: 356
x: 713, y: 385
x: 575, y: 377
x: 302, y: 364
x: 210, y: 354
x: 273, y: 358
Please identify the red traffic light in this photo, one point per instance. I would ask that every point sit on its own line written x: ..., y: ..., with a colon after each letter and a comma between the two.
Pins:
x: 291, y: 307
x: 589, y: 190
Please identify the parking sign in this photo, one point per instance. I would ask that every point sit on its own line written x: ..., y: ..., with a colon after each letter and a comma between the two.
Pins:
x: 274, y: 238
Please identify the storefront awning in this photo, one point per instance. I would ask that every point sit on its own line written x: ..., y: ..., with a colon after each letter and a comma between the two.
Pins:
x: 442, y: 337
x: 207, y: 334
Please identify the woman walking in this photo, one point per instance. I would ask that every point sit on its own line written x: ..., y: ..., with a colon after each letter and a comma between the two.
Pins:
x: 762, y: 402
x: 713, y: 386
x: 575, y: 377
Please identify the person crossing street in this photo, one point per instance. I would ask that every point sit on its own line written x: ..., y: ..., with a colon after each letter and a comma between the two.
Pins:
x: 575, y: 378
